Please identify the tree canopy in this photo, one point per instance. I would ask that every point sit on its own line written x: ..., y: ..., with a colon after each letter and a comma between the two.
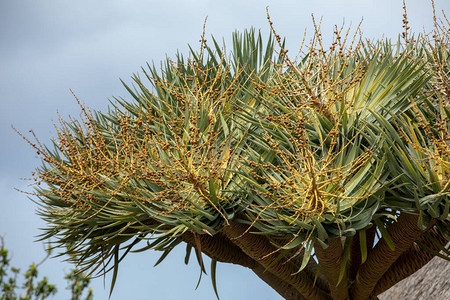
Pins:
x: 257, y: 158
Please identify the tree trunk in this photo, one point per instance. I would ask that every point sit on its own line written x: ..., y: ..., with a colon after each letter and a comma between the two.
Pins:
x: 410, y: 261
x: 330, y: 263
x: 429, y: 283
x: 260, y: 249
x: 403, y: 233
x: 355, y: 260
x: 218, y: 247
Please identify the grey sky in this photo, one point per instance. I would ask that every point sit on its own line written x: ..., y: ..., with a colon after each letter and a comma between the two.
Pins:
x: 50, y: 46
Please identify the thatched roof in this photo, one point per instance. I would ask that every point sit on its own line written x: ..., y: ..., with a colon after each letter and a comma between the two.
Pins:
x: 432, y: 282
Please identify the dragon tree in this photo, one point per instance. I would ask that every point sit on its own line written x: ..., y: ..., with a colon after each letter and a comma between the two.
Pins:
x: 326, y: 172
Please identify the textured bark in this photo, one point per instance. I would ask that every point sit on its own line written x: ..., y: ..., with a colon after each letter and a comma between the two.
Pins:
x: 409, y: 262
x: 218, y: 247
x: 259, y: 248
x: 311, y: 269
x: 403, y: 233
x: 282, y: 287
x: 429, y: 283
x: 355, y: 251
x: 330, y: 263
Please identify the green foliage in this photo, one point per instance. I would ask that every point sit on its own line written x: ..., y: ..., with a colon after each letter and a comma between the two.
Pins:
x: 34, y: 287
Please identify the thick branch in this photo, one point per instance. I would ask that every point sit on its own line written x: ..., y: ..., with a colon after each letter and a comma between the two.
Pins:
x: 409, y: 262
x: 330, y: 263
x: 218, y: 247
x: 311, y: 269
x: 260, y: 249
x: 282, y: 287
x: 403, y: 233
x: 355, y: 260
